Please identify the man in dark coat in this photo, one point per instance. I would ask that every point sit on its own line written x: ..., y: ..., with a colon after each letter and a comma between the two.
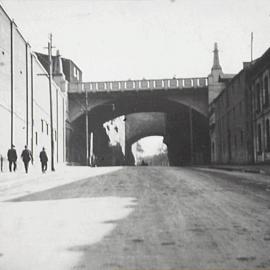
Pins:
x: 26, y: 157
x: 12, y: 158
x: 43, y: 159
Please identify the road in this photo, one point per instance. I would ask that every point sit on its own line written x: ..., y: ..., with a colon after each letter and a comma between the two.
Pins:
x: 141, y: 218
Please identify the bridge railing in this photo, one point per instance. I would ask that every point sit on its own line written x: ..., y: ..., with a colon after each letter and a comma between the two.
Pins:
x: 137, y: 85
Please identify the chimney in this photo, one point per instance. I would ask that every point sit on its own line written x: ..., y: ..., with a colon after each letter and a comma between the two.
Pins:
x: 58, y: 67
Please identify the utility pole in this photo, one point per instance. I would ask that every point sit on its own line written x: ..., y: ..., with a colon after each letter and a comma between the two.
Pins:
x: 91, y: 149
x: 251, y: 46
x: 86, y: 128
x: 191, y: 136
x: 51, y: 105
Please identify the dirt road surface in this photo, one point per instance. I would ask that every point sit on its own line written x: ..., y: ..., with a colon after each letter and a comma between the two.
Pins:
x: 142, y: 218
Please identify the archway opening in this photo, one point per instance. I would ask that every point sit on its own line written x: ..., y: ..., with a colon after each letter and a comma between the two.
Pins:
x: 150, y: 151
x: 185, y: 131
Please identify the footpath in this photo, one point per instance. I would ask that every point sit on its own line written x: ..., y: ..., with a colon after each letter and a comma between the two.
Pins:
x: 18, y: 184
x: 259, y: 169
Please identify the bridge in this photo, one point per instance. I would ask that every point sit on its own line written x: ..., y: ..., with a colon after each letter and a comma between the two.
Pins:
x: 183, y: 103
x: 138, y: 85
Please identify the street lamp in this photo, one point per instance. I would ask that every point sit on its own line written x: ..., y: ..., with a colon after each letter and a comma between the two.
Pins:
x: 86, y: 127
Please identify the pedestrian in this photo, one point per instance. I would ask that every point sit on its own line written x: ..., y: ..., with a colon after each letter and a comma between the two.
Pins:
x: 1, y: 162
x: 12, y: 158
x: 26, y: 157
x: 43, y: 159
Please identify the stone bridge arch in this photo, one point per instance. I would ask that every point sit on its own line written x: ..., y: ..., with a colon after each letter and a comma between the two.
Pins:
x: 141, y: 125
x: 173, y: 104
x: 102, y: 108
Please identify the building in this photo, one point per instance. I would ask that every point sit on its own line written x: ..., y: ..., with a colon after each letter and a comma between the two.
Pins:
x: 231, y: 135
x: 72, y: 73
x: 240, y: 116
x: 65, y: 71
x: 116, y: 132
x: 215, y: 84
x: 25, y: 99
x: 259, y: 87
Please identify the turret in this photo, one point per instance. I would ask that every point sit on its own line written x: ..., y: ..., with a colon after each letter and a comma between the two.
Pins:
x: 216, y: 65
x: 214, y: 85
x: 216, y: 70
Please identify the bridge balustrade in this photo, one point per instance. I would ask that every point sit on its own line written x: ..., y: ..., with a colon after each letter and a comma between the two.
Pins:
x: 137, y: 85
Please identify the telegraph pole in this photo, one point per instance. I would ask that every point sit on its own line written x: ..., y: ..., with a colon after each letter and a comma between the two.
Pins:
x: 191, y: 136
x: 91, y: 149
x: 86, y: 128
x: 51, y: 105
x: 251, y: 46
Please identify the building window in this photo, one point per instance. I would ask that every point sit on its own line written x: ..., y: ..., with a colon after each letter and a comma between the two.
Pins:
x: 267, y: 135
x: 235, y: 141
x: 241, y: 136
x: 47, y: 128
x: 36, y: 138
x: 259, y: 134
x: 258, y: 97
x: 240, y: 107
x: 42, y: 125
x: 227, y: 98
x: 266, y: 93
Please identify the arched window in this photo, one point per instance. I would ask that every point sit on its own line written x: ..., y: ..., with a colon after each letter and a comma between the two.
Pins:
x: 266, y: 92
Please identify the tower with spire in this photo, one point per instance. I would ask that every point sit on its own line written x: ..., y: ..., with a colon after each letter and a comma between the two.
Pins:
x: 216, y: 70
x: 214, y: 84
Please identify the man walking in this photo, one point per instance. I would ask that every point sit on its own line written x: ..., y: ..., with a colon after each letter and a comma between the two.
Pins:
x: 43, y: 159
x: 12, y: 158
x: 26, y: 157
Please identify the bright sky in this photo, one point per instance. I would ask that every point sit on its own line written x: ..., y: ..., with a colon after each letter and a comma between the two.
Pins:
x: 150, y: 145
x: 122, y: 39
x: 135, y: 39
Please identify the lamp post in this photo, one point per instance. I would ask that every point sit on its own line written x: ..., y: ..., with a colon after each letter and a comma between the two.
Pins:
x: 86, y: 127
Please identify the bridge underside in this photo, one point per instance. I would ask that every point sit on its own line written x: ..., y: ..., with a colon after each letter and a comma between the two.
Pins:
x: 185, y: 130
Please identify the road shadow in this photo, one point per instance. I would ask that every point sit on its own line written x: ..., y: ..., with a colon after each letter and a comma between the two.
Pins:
x: 110, y: 184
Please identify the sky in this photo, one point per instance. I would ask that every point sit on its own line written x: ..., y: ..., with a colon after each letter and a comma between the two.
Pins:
x: 151, y: 145
x: 135, y: 39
